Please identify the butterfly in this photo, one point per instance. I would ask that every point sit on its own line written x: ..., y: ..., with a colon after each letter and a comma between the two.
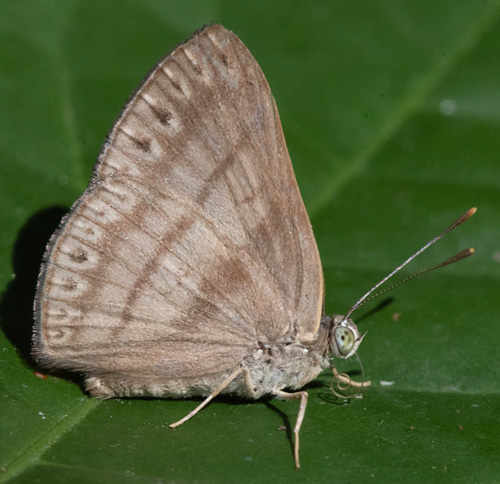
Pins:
x: 189, y: 266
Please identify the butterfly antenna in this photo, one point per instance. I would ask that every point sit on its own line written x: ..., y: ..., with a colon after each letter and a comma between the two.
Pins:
x: 451, y: 260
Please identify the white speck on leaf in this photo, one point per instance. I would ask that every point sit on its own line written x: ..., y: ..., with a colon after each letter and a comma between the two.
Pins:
x: 387, y: 383
x: 448, y: 107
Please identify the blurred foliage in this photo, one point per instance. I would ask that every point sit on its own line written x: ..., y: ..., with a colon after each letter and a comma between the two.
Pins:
x: 391, y: 112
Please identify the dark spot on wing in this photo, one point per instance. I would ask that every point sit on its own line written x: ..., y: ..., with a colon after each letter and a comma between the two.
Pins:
x: 143, y: 144
x: 69, y: 284
x: 56, y: 334
x: 163, y: 115
x: 176, y: 86
x: 79, y: 255
x: 196, y: 69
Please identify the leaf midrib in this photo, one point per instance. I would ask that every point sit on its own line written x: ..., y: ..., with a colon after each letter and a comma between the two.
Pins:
x: 36, y: 449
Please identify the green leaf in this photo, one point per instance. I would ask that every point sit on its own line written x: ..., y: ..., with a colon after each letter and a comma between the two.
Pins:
x: 391, y: 112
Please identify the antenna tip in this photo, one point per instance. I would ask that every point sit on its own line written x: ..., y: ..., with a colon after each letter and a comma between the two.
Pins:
x: 471, y: 211
x: 471, y: 250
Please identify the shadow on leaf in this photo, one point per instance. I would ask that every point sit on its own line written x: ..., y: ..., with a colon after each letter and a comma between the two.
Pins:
x: 16, y: 307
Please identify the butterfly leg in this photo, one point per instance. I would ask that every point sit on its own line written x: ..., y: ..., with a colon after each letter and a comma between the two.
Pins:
x: 207, y: 400
x: 300, y: 417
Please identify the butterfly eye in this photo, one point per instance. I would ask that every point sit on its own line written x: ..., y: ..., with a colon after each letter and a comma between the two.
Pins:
x: 345, y: 340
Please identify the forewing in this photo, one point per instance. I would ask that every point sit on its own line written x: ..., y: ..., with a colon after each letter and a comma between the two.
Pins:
x: 191, y: 247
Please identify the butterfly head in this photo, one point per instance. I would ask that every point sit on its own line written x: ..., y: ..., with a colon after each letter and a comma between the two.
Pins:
x: 345, y: 337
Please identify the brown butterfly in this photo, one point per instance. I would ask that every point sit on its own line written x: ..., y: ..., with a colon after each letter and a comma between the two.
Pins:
x: 189, y: 266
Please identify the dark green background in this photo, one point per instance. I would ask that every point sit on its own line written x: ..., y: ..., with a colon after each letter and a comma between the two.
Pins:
x: 391, y: 111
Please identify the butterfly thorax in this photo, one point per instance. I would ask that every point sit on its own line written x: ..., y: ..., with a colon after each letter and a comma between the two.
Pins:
x: 284, y: 366
x: 292, y: 363
x: 288, y: 364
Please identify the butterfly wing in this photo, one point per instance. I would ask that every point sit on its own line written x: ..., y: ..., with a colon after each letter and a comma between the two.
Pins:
x: 191, y: 247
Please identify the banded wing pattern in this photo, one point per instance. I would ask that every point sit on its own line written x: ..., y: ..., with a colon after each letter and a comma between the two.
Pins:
x: 191, y: 245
